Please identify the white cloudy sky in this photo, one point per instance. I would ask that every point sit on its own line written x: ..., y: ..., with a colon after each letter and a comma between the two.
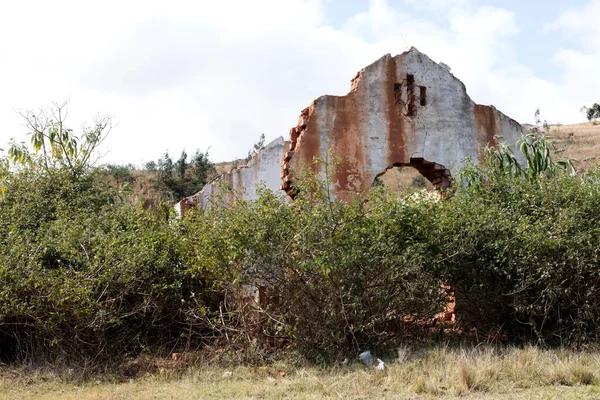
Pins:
x: 216, y: 74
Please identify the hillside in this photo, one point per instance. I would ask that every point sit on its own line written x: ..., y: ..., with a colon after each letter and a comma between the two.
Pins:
x: 579, y: 141
x: 226, y: 166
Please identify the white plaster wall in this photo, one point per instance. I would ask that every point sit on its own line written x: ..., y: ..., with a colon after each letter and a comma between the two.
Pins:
x: 264, y: 167
x: 446, y: 128
x: 449, y: 129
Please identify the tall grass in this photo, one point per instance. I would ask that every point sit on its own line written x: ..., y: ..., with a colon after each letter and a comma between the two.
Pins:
x: 442, y: 371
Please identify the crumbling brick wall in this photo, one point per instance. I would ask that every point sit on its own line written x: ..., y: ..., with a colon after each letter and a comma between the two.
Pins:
x: 405, y: 110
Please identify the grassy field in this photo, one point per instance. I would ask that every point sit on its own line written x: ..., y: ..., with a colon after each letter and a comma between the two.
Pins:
x: 477, y: 373
x: 579, y: 141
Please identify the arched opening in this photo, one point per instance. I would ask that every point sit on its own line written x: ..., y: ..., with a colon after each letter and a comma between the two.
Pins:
x: 418, y: 174
x: 403, y: 178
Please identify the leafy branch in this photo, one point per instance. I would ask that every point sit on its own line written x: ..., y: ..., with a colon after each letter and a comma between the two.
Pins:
x: 55, y: 143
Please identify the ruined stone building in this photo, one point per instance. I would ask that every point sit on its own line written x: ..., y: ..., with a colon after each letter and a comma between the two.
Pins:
x: 241, y: 183
x: 405, y: 110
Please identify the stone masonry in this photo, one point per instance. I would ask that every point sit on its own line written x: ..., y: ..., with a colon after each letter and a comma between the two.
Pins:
x: 405, y: 110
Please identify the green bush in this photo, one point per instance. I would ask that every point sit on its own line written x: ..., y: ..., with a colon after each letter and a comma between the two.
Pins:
x: 419, y: 182
x: 335, y: 278
x: 87, y: 276
x: 522, y: 254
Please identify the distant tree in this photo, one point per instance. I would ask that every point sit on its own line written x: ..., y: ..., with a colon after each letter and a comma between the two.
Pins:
x: 540, y: 127
x: 121, y: 173
x: 181, y: 165
x: 181, y: 178
x: 419, y: 182
x: 150, y: 166
x: 165, y: 166
x: 165, y: 182
x: 592, y: 112
x: 202, y: 167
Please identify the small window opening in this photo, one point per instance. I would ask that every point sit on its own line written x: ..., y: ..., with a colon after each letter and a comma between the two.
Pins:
x: 423, y: 95
x: 411, y: 107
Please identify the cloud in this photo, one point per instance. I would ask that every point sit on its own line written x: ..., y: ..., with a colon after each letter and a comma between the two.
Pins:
x: 579, y: 60
x: 439, y: 4
x: 199, y: 74
x: 579, y: 23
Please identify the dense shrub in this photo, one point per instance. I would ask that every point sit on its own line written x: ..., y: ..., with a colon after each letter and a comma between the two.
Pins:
x: 85, y: 275
x: 335, y: 277
x: 176, y: 179
x: 523, y: 254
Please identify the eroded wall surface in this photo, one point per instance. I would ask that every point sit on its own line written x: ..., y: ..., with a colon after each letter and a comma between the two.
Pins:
x: 241, y: 182
x: 405, y: 110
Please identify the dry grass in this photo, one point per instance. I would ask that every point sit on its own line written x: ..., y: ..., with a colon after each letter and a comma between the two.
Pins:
x: 479, y: 373
x: 398, y: 178
x: 579, y: 141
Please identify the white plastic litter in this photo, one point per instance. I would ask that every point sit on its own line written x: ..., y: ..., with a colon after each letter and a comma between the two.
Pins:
x: 366, y: 357
x: 227, y: 374
x: 380, y: 366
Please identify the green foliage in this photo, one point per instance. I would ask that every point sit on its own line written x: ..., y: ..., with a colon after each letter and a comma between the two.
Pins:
x: 54, y: 144
x: 335, y: 277
x: 535, y: 150
x: 523, y: 255
x: 120, y: 173
x: 591, y: 113
x: 151, y: 166
x: 175, y: 180
x: 520, y: 245
x: 4, y: 175
x: 377, y: 182
x: 419, y: 182
x: 86, y: 276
